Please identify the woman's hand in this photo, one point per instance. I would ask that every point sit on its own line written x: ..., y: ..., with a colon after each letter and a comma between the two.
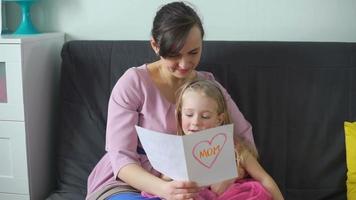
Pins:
x: 221, y: 187
x: 179, y: 190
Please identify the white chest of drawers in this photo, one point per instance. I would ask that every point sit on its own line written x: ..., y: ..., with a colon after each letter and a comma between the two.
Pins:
x: 29, y: 79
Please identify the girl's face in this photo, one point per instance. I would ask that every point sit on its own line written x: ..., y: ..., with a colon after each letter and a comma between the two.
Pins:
x: 185, y: 62
x: 199, y: 112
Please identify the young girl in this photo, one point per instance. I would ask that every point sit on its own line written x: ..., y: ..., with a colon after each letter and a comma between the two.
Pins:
x: 201, y: 105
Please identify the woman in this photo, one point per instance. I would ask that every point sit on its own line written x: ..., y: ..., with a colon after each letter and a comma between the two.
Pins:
x: 145, y: 96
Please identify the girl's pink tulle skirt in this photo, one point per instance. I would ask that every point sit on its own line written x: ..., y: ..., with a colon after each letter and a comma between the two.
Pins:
x: 245, y: 189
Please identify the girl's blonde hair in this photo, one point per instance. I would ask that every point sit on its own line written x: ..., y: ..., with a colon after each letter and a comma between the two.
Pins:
x: 212, y: 90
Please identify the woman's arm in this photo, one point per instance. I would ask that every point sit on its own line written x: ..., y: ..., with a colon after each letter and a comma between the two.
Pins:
x: 137, y: 177
x: 255, y: 170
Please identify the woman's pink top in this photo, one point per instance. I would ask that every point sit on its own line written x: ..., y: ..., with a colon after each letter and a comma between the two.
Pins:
x: 135, y: 100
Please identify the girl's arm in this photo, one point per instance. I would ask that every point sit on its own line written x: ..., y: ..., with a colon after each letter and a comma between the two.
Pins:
x: 255, y: 170
x: 139, y: 178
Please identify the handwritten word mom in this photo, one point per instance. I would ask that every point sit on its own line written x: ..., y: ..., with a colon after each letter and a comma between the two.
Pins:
x: 212, y: 151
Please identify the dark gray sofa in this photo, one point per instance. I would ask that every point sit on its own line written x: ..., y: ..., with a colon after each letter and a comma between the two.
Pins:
x: 295, y: 94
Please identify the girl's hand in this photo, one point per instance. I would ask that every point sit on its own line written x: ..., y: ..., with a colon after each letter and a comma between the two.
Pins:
x: 179, y: 190
x: 221, y: 187
x: 241, y: 172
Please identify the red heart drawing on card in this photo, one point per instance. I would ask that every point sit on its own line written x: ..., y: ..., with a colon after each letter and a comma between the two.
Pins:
x: 206, y: 152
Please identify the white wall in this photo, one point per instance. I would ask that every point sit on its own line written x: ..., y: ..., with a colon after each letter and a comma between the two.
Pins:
x: 269, y: 20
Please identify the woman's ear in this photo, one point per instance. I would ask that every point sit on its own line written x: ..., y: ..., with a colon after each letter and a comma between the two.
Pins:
x: 154, y: 46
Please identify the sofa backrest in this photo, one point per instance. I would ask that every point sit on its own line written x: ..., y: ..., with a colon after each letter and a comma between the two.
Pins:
x: 295, y: 94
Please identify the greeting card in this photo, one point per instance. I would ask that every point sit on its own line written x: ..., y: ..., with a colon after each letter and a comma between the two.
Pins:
x: 205, y: 157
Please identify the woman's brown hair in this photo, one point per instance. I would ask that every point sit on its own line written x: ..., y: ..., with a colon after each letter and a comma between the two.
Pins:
x: 172, y: 25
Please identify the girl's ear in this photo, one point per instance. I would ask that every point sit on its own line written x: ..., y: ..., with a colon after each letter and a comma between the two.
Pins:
x: 154, y: 46
x: 221, y: 118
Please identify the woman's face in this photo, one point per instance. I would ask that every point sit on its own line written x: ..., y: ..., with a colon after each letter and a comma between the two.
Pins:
x: 185, y: 62
x: 199, y: 112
